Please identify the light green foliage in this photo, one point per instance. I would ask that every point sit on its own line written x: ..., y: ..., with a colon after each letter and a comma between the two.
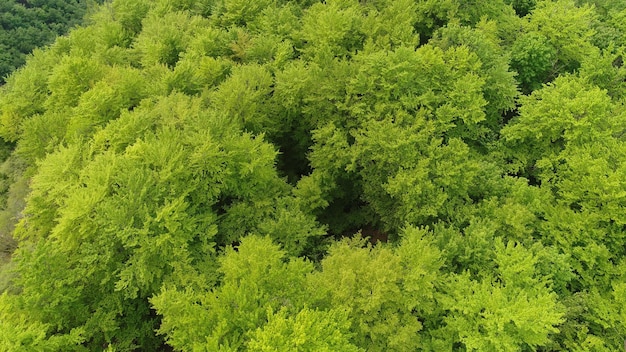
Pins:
x: 511, y: 307
x: 367, y: 283
x: 69, y: 79
x: 606, y: 71
x: 18, y: 335
x: 365, y: 297
x: 200, y: 174
x: 499, y: 89
x: 130, y: 14
x: 228, y: 13
x: 433, y: 14
x: 420, y: 171
x: 307, y: 331
x: 331, y: 29
x: 616, y: 21
x: 567, y: 113
x: 569, y: 33
x: 387, y: 292
x: 591, y: 181
x: 164, y: 37
x: 244, y: 96
x: 25, y: 93
x: 390, y: 25
x: 121, y: 89
x: 421, y: 263
x: 408, y: 79
x: 575, y: 150
x: 400, y: 137
x: 573, y: 134
x: 255, y: 283
x: 156, y: 191
x: 503, y: 314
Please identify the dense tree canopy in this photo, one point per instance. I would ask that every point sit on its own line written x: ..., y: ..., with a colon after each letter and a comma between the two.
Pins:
x: 204, y: 174
x: 28, y: 24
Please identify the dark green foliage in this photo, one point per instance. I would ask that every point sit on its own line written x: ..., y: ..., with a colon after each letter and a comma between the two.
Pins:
x: 534, y: 59
x: 522, y: 7
x: 26, y: 25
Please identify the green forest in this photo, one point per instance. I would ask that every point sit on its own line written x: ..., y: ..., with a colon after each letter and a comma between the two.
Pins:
x: 339, y: 175
x: 28, y: 24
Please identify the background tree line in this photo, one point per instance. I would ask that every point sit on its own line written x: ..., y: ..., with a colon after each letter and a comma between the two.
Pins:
x: 29, y: 24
